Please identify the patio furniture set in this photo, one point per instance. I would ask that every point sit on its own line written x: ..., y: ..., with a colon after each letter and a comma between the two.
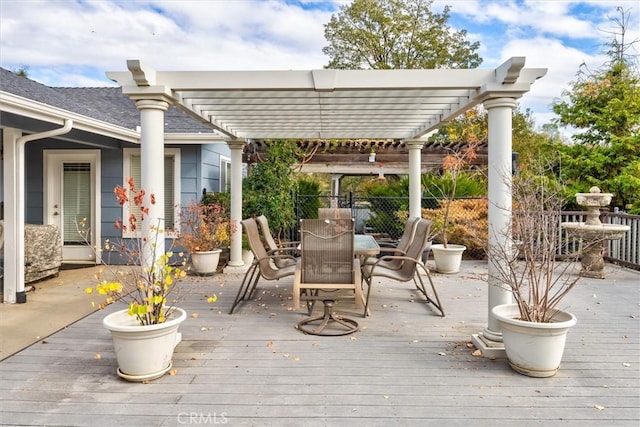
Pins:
x: 332, y: 263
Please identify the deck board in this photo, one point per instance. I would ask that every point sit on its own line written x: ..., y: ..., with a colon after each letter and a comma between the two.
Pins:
x: 405, y: 366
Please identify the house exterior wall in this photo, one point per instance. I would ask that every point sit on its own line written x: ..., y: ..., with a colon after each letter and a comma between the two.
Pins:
x: 192, y: 181
x: 211, y: 154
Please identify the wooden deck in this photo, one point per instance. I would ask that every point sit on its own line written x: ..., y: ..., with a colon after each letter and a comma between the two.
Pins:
x: 406, y: 366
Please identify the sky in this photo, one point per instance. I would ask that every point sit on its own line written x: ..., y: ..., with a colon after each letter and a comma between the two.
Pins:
x: 74, y: 42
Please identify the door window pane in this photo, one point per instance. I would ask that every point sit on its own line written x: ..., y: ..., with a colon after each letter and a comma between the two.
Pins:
x: 76, y: 199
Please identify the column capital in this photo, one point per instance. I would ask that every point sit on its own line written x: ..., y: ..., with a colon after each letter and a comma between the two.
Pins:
x: 236, y: 144
x: 500, y: 102
x: 414, y: 144
x: 152, y: 104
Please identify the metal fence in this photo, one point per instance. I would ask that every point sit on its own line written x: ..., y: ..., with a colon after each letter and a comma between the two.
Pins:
x: 380, y: 217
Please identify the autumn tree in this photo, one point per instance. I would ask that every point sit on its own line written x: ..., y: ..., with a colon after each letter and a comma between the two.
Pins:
x: 396, y: 34
x: 603, y: 105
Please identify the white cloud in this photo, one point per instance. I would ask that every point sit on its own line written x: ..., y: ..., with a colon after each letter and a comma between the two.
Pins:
x: 72, y: 43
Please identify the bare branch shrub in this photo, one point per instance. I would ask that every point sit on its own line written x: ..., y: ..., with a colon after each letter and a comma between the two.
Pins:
x: 526, y: 261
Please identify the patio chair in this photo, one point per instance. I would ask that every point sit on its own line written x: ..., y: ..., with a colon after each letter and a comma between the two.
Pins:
x: 288, y: 248
x: 411, y: 264
x: 400, y: 248
x: 264, y: 265
x: 334, y: 213
x: 327, y: 264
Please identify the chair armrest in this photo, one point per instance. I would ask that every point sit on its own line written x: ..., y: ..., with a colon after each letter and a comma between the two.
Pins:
x: 392, y: 250
x: 371, y: 267
x: 276, y: 257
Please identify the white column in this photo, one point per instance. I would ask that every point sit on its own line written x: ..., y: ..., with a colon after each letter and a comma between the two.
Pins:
x: 152, y: 172
x: 499, y: 166
x: 335, y: 189
x: 415, y: 178
x: 13, y: 154
x: 235, y: 256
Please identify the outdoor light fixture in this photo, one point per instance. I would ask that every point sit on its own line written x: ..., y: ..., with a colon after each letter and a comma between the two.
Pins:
x: 372, y: 157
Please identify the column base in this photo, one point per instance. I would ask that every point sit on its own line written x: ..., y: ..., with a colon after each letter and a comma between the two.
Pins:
x: 489, y: 348
x: 236, y: 269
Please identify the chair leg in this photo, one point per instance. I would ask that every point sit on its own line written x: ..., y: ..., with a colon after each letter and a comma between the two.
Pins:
x: 423, y: 290
x: 244, y: 286
x: 369, y: 281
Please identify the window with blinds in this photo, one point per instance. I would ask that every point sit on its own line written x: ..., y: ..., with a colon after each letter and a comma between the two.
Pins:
x: 169, y: 184
x: 76, y: 193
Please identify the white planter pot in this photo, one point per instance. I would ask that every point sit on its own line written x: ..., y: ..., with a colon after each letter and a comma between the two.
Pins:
x: 533, y: 349
x: 143, y: 352
x: 447, y: 259
x: 206, y: 262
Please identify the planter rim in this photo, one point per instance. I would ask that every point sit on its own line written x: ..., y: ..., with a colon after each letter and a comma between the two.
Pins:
x: 115, y: 322
x: 450, y: 246
x: 504, y: 313
x: 212, y: 251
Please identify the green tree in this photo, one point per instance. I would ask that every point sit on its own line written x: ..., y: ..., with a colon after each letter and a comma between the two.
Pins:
x: 604, y: 106
x: 267, y: 189
x: 396, y: 34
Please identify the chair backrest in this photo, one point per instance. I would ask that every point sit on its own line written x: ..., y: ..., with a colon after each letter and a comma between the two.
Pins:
x: 408, y: 233
x: 253, y: 238
x: 327, y: 250
x: 416, y: 248
x: 266, y: 233
x: 267, y: 269
x: 334, y: 213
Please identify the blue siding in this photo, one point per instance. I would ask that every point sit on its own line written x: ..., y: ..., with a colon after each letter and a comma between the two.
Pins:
x: 211, y: 165
x: 196, y: 175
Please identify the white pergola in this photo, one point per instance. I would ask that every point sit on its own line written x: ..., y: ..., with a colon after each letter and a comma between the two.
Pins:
x: 325, y: 104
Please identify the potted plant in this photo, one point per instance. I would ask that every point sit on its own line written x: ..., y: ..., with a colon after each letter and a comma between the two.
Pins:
x: 205, y: 229
x: 525, y: 262
x: 146, y: 332
x: 447, y: 256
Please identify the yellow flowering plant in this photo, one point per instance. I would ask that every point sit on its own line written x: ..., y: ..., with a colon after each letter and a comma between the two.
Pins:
x: 146, y: 289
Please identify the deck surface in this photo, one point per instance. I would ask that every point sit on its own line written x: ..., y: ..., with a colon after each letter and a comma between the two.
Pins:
x: 406, y: 365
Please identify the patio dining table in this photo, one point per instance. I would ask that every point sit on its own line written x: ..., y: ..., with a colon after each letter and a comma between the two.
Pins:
x: 364, y: 246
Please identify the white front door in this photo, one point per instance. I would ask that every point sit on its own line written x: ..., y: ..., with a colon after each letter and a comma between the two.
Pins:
x: 72, y: 201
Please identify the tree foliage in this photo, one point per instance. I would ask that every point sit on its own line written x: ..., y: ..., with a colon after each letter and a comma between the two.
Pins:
x: 267, y: 188
x: 604, y: 106
x: 396, y: 34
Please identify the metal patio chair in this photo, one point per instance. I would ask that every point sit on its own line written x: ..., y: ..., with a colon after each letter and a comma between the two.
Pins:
x: 400, y: 248
x: 411, y: 264
x: 327, y: 268
x: 264, y: 265
x: 288, y: 248
x: 334, y: 213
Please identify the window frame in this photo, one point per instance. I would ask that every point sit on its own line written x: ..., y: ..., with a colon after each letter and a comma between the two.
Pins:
x: 225, y: 174
x: 126, y: 168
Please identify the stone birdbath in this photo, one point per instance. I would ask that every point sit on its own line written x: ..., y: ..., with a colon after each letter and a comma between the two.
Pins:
x: 593, y: 232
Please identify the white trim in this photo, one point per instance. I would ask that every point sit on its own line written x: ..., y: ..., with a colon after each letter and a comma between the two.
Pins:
x: 94, y: 157
x: 18, y: 105
x: 226, y: 186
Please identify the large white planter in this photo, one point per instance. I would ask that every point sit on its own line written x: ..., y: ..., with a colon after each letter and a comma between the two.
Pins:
x: 206, y: 262
x: 533, y: 349
x: 143, y: 352
x: 447, y: 259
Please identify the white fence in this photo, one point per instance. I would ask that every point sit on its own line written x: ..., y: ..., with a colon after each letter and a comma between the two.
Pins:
x: 625, y: 251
